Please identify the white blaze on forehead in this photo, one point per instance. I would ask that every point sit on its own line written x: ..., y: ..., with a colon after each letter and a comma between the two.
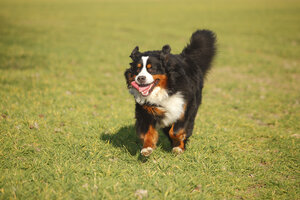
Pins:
x: 145, y: 58
x: 144, y: 72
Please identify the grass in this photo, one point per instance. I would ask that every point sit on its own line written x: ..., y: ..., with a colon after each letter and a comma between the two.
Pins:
x: 67, y: 121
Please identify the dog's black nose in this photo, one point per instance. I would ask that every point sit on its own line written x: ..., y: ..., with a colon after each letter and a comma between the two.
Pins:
x: 141, y: 79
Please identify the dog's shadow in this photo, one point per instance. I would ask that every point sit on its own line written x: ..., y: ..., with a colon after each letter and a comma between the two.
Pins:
x: 126, y: 138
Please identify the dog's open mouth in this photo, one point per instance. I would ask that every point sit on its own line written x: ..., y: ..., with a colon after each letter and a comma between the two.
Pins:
x: 145, y: 90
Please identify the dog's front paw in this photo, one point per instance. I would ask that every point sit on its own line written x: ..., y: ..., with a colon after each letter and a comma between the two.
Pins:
x: 177, y: 150
x: 146, y: 151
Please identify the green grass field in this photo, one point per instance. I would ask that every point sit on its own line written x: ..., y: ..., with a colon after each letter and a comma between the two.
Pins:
x: 67, y: 120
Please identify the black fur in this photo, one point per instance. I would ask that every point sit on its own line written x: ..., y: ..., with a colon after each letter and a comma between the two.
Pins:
x: 185, y: 73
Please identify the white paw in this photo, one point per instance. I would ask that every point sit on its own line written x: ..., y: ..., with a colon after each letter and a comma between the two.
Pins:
x: 146, y: 151
x: 177, y: 150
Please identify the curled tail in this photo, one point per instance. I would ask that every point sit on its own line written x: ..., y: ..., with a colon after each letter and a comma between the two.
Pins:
x: 201, y: 49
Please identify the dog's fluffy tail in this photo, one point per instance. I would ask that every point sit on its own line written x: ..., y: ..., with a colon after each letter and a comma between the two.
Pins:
x: 201, y: 49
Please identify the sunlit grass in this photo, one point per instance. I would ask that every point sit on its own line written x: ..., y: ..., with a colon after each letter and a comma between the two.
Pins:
x: 67, y: 120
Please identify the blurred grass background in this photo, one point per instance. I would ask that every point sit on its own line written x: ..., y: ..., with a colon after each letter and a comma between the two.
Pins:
x: 67, y: 120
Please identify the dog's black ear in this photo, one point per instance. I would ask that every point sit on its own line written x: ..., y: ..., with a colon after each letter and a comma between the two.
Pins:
x: 165, y: 52
x: 135, y: 53
x: 166, y: 49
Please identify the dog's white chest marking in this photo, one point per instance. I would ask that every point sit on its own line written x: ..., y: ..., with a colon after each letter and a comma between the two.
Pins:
x: 174, y: 108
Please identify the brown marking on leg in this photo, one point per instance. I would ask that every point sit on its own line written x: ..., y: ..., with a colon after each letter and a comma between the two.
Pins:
x: 154, y: 110
x: 150, y: 138
x: 149, y: 141
x: 178, y: 138
x: 163, y: 80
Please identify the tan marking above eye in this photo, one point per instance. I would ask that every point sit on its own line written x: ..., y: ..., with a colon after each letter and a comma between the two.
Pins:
x: 139, y: 65
x: 149, y: 66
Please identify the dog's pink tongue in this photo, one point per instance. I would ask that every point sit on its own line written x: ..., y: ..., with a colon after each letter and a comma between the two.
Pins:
x: 143, y: 90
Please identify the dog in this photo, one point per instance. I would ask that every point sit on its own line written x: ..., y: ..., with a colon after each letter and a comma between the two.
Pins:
x: 167, y: 89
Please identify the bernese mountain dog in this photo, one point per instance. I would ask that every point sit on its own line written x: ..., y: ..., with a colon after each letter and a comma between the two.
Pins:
x: 167, y: 89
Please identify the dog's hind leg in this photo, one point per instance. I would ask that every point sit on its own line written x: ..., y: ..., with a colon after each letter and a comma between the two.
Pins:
x: 181, y: 130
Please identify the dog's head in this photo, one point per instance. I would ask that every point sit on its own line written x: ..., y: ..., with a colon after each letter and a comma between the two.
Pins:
x: 148, y: 70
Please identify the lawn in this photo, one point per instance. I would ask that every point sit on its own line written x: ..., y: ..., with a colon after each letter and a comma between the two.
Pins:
x: 67, y: 119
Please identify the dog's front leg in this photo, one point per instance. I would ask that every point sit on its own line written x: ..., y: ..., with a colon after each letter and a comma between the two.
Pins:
x: 149, y: 140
